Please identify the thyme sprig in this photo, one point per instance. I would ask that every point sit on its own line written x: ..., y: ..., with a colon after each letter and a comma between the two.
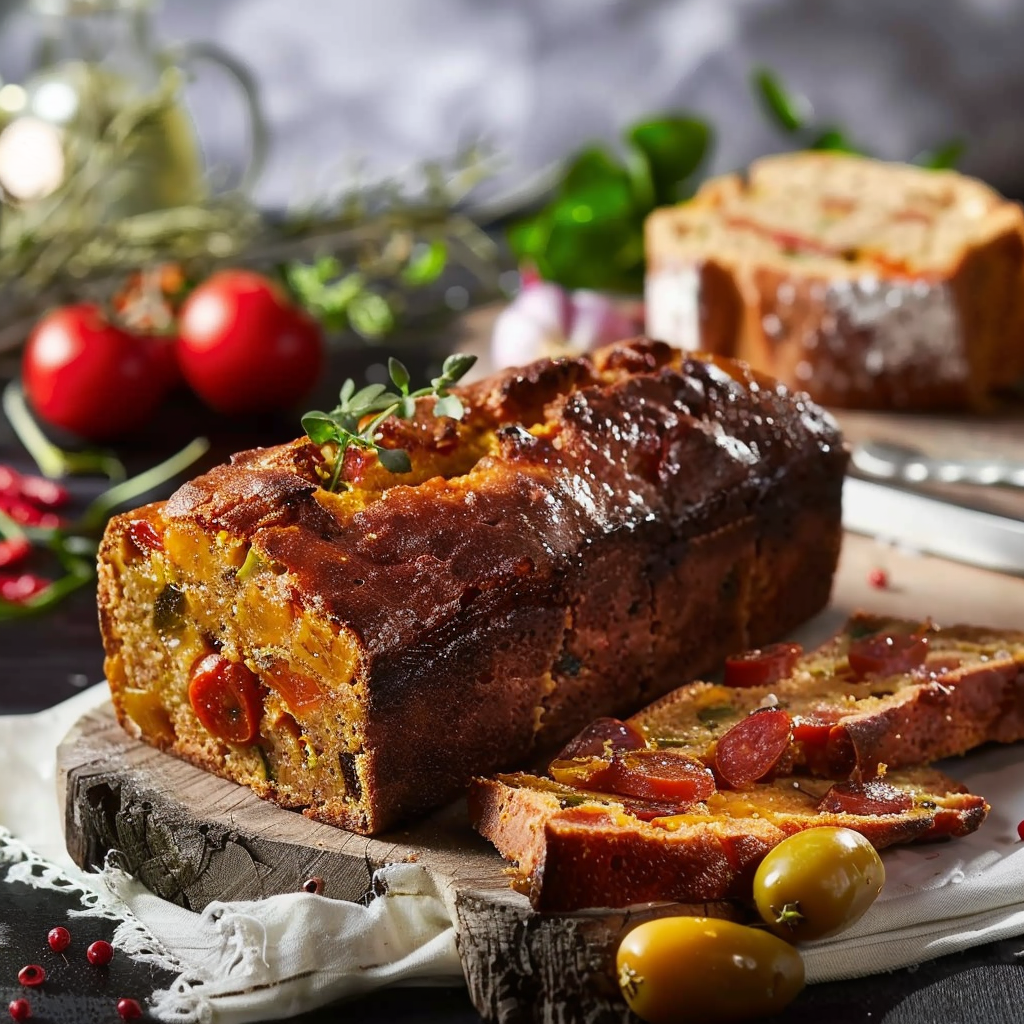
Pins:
x: 357, y: 419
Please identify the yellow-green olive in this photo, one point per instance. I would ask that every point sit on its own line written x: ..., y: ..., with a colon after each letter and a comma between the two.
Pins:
x: 817, y: 882
x: 701, y: 969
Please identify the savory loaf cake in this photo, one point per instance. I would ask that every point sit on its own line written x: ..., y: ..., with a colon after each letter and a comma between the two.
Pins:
x: 867, y: 284
x: 591, y: 532
x: 572, y: 849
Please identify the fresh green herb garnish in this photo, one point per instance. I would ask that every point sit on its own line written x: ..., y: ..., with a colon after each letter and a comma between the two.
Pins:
x: 53, y: 462
x: 358, y: 417
x: 792, y: 113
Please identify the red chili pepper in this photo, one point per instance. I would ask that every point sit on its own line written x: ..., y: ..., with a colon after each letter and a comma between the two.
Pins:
x: 19, y: 589
x: 26, y: 514
x: 14, y: 551
x: 10, y: 481
x: 43, y: 492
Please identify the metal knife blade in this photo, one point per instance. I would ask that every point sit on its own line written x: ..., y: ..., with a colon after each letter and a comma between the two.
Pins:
x: 942, y: 528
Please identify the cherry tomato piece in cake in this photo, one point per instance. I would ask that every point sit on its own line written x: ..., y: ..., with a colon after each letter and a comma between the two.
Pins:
x: 887, y: 653
x: 753, y: 746
x: 244, y: 348
x: 84, y: 374
x: 871, y: 797
x: 601, y: 739
x: 145, y: 536
x: 762, y: 666
x: 226, y: 699
x: 817, y: 883
x: 676, y: 969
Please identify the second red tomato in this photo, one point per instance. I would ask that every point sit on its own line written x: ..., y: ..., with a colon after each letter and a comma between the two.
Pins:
x: 244, y: 348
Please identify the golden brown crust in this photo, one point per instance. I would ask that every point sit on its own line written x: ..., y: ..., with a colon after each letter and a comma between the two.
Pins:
x: 466, y: 614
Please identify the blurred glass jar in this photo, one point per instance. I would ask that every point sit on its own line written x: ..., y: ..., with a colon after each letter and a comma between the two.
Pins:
x: 101, y: 81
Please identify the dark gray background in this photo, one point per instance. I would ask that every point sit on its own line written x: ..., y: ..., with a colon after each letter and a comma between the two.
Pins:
x: 390, y: 82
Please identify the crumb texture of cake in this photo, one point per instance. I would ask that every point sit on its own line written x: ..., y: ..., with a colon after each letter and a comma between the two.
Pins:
x: 593, y: 530
x: 867, y: 284
x: 682, y: 801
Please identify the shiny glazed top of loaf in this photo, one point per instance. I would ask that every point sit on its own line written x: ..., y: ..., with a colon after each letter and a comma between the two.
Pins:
x: 547, y: 458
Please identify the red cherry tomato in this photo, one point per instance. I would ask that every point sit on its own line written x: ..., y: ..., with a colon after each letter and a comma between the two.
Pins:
x: 144, y: 536
x: 243, y: 347
x: 83, y: 374
x: 753, y: 746
x: 762, y: 666
x: 887, y: 653
x: 226, y: 699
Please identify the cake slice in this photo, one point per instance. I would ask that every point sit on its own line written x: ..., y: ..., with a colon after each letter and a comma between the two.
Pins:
x: 572, y: 849
x: 683, y: 800
x: 590, y: 529
x: 886, y: 691
x: 867, y: 284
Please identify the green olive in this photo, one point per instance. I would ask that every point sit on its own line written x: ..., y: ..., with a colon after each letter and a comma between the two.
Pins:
x: 703, y: 969
x: 817, y: 882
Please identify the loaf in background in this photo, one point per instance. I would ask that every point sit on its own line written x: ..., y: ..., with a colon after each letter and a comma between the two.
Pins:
x: 867, y: 284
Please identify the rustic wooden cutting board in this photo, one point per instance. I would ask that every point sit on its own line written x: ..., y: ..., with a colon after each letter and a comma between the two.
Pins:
x: 193, y: 838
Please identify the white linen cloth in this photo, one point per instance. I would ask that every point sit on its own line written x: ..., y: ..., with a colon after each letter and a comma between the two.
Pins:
x: 251, y: 961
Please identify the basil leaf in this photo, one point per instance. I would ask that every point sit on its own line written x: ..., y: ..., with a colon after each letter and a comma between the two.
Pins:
x: 943, y: 157
x: 593, y: 166
x: 673, y: 148
x: 789, y: 111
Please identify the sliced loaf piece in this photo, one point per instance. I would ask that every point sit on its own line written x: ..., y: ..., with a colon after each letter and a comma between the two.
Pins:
x: 867, y: 284
x: 572, y: 849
